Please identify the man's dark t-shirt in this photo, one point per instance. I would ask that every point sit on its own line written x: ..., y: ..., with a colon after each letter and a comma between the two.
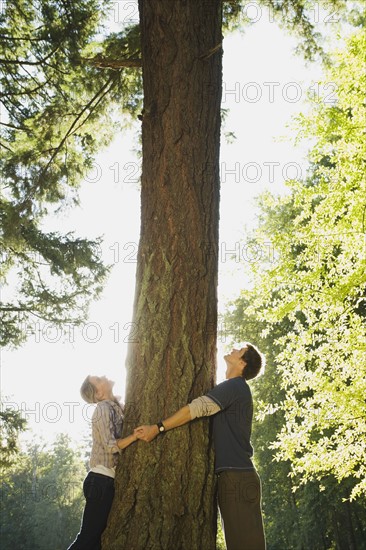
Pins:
x: 232, y: 426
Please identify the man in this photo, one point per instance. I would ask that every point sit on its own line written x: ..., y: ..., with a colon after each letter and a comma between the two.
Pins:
x: 98, y: 485
x: 239, y: 490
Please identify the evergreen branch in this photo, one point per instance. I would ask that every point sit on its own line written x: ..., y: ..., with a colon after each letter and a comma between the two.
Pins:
x: 17, y: 106
x: 69, y: 132
x: 23, y: 62
x: 32, y: 309
x: 92, y: 110
x: 20, y: 84
x: 3, y: 37
x: 15, y: 308
x: 55, y: 68
x: 26, y: 92
x: 18, y: 62
x: 108, y: 63
x: 28, y: 73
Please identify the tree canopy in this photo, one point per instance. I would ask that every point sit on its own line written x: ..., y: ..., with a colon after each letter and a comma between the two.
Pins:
x: 42, y: 498
x: 311, y: 297
x: 67, y: 86
x: 59, y: 110
x: 11, y: 425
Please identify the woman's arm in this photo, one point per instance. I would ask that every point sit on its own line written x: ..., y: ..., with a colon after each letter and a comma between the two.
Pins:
x: 105, y: 430
x: 126, y: 441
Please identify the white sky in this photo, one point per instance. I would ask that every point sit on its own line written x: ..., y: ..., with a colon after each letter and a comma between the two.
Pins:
x: 264, y: 85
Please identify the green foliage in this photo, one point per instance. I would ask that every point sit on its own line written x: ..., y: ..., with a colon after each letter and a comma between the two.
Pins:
x: 319, y: 283
x: 42, y: 490
x: 11, y: 425
x: 68, y: 84
x: 300, y: 17
x: 220, y: 538
x: 309, y: 517
x: 306, y: 311
x: 59, y: 109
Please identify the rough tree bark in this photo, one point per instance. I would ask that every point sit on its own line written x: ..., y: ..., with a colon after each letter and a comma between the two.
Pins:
x: 165, y: 491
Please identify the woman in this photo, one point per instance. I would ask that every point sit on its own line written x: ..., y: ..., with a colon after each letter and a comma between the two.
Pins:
x: 98, y: 485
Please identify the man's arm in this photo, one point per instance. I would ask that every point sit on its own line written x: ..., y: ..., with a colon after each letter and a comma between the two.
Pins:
x: 181, y: 417
x: 202, y: 406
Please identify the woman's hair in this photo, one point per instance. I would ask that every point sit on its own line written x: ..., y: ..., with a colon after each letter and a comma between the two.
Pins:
x: 255, y: 361
x: 88, y: 391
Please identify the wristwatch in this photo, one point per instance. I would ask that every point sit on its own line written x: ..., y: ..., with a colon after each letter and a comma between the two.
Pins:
x: 161, y: 427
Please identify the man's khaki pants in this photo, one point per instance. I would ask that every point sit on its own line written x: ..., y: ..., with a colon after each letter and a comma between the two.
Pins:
x: 240, y: 508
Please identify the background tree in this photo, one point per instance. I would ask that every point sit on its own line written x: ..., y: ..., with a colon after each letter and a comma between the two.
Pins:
x: 306, y: 310
x: 58, y: 110
x: 42, y: 499
x: 322, y: 287
x: 308, y: 517
x: 11, y: 425
x: 67, y: 85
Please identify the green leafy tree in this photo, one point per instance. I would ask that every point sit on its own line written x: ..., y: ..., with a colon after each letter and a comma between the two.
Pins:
x: 60, y: 479
x: 307, y: 312
x: 42, y: 498
x: 319, y: 283
x: 16, y: 518
x: 67, y: 85
x: 308, y: 517
x: 11, y: 425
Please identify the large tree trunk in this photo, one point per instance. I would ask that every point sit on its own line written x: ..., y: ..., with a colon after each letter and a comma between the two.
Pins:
x: 165, y: 490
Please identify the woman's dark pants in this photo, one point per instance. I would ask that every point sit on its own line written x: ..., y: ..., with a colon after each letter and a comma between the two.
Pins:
x: 99, y: 492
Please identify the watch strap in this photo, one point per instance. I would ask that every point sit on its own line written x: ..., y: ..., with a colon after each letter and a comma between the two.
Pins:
x: 161, y: 427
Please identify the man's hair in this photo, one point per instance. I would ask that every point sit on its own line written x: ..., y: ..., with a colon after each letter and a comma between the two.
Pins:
x: 88, y: 391
x: 255, y: 361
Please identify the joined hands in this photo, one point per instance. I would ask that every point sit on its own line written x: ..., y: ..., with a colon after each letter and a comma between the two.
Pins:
x: 146, y: 433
